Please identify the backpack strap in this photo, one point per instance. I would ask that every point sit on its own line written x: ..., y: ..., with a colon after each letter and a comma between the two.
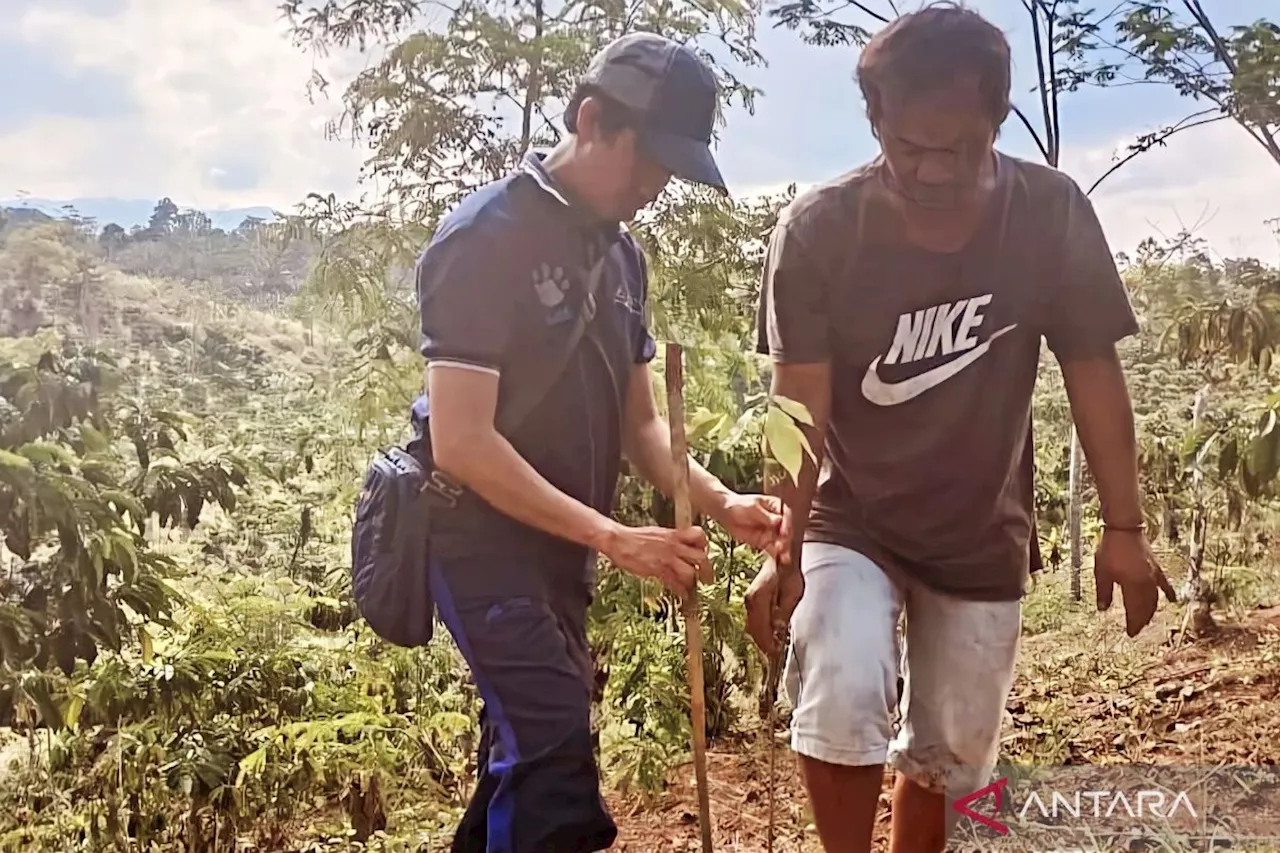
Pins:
x: 526, y: 395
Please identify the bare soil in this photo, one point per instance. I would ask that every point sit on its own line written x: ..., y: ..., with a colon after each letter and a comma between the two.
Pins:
x: 1164, y: 699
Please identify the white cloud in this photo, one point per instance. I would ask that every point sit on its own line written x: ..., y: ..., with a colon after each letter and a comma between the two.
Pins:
x: 224, y: 121
x: 1213, y: 181
x: 220, y: 89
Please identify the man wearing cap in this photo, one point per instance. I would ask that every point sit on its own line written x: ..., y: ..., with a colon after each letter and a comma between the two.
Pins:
x: 499, y: 286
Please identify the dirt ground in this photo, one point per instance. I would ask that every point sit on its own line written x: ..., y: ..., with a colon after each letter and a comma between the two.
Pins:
x: 1161, y: 698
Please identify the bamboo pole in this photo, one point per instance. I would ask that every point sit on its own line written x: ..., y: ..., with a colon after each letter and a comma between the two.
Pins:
x: 692, y: 617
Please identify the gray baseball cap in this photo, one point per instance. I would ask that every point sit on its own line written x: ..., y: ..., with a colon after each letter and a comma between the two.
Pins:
x: 673, y: 91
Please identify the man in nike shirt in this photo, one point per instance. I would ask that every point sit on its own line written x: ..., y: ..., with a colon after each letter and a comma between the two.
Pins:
x: 904, y: 304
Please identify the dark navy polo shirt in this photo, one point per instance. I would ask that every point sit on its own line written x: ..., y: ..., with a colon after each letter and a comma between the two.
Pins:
x: 499, y: 287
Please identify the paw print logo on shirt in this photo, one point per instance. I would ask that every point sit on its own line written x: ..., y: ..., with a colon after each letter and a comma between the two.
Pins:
x: 550, y: 284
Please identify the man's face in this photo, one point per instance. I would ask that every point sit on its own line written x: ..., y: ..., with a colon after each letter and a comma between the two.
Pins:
x: 936, y: 144
x: 625, y: 178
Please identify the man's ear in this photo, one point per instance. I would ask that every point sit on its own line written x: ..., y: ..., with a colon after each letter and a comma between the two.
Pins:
x: 588, y: 120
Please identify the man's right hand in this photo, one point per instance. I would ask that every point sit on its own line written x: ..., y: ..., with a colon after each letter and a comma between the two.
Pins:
x: 678, y: 558
x: 771, y: 599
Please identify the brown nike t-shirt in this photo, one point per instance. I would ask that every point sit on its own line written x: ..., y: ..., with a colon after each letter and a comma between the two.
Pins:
x: 934, y: 359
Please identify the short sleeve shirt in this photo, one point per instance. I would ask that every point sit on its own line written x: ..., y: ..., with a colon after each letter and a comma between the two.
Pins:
x: 499, y: 287
x: 934, y: 359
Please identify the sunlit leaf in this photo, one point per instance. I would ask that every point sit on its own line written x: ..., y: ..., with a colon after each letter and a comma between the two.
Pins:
x: 797, y: 410
x: 784, y: 441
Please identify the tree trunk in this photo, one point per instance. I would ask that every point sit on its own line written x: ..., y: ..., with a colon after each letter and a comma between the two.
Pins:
x: 1195, y: 591
x: 1073, y: 489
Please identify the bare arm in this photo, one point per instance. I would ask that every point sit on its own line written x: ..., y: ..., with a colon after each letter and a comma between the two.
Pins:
x: 467, y: 447
x: 794, y: 326
x: 809, y: 385
x: 1103, y: 416
x: 646, y: 441
x: 1087, y: 313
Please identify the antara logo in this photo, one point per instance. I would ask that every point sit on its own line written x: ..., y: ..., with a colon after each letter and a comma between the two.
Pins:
x: 1054, y: 805
x: 997, y: 787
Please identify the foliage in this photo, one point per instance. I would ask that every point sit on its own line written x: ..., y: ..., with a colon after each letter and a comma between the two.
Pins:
x: 1237, y: 70
x: 75, y: 506
x: 258, y: 262
x: 262, y: 692
x: 1241, y: 326
x: 180, y: 648
x: 446, y: 110
x: 225, y: 681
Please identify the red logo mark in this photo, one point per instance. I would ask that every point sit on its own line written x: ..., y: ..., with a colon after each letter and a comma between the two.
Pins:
x: 997, y: 787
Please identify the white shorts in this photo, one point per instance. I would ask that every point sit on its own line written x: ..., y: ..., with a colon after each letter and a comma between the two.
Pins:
x: 844, y: 660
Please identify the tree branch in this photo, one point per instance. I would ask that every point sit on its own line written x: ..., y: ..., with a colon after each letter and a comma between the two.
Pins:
x: 1158, y: 139
x: 1050, y: 16
x: 881, y: 18
x: 1051, y: 132
x: 1219, y: 46
x: 1026, y: 122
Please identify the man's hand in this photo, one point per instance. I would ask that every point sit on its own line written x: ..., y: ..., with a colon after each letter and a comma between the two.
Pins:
x: 771, y: 599
x: 1124, y: 559
x: 760, y: 521
x: 678, y: 558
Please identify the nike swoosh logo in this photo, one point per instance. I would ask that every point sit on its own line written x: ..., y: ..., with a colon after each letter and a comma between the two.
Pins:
x: 893, y: 393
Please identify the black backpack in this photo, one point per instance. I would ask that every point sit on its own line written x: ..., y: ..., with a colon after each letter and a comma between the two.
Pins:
x: 391, y: 536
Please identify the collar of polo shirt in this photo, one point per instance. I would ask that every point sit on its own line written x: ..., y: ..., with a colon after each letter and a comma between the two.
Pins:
x: 531, y: 164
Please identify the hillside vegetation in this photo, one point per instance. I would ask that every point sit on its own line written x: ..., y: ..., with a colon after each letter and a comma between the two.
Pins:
x: 181, y: 664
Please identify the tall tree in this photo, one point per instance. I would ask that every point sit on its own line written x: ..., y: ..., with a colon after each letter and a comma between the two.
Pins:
x: 454, y: 105
x: 1235, y: 70
x: 162, y: 218
x: 450, y: 107
x: 112, y: 238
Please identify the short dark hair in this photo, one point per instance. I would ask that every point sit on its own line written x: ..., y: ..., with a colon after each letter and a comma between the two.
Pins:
x: 614, y: 116
x: 927, y: 49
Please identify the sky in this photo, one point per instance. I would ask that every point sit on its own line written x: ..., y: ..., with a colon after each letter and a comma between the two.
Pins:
x: 205, y: 101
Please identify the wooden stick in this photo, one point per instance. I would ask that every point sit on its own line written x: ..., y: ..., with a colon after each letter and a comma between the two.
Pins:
x: 771, y: 697
x: 692, y: 617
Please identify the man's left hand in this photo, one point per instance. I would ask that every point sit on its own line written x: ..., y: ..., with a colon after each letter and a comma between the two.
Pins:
x: 1124, y: 558
x: 761, y: 521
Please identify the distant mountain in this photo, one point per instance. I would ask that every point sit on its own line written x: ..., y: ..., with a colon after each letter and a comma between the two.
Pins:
x: 130, y: 212
x: 24, y: 215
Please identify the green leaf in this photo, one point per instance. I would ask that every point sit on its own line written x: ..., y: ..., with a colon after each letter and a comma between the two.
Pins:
x: 1264, y: 452
x: 71, y: 710
x: 1228, y: 459
x: 705, y: 423
x: 49, y: 454
x: 148, y: 651
x: 125, y: 502
x: 734, y: 434
x: 1203, y: 453
x: 251, y: 765
x: 784, y: 441
x: 796, y: 410
x: 36, y: 686
x: 94, y: 440
x: 13, y: 460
